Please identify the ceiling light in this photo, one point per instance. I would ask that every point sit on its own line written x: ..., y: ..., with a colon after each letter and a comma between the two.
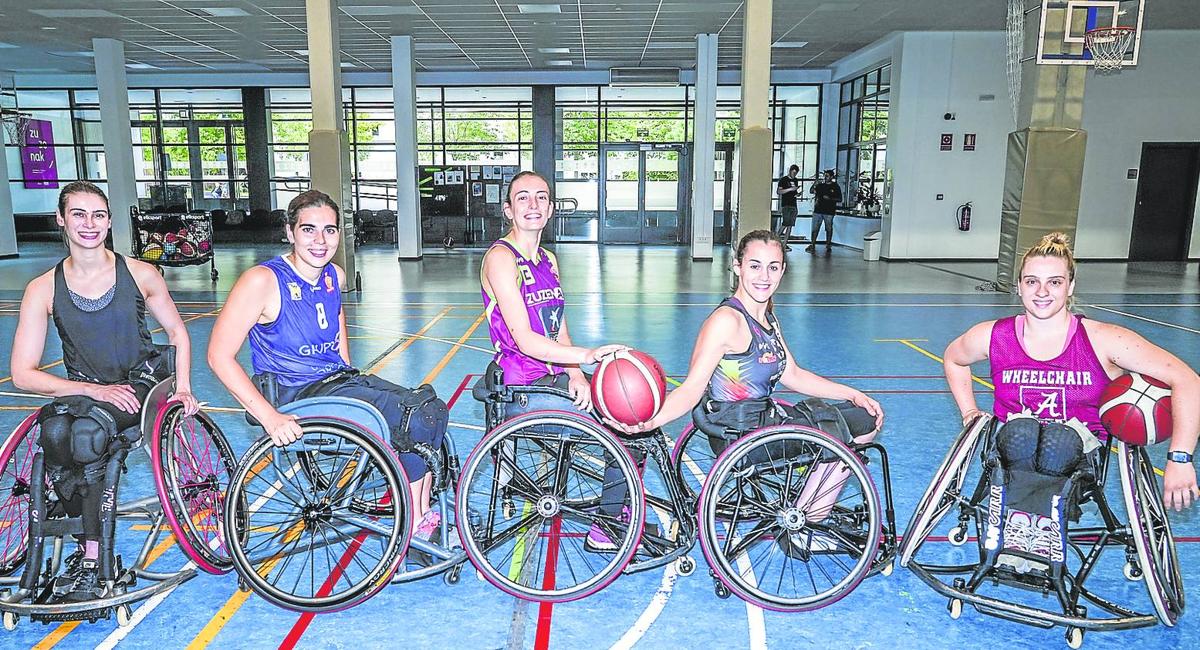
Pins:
x: 559, y: 62
x: 787, y: 44
x: 73, y: 13
x: 539, y: 9
x: 554, y: 50
x: 49, y: 29
x: 141, y: 66
x: 375, y: 10
x: 74, y: 54
x: 301, y: 52
x: 348, y: 65
x: 222, y: 12
x: 177, y: 47
x: 4, y: 46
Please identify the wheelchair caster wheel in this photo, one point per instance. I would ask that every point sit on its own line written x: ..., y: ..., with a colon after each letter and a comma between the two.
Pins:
x: 479, y: 576
x: 1074, y: 638
x: 886, y: 569
x: 685, y: 566
x: 214, y: 275
x: 451, y: 577
x: 721, y: 590
x: 955, y: 606
x: 124, y: 615
x: 510, y: 509
x: 1132, y: 571
x: 242, y: 586
x: 10, y: 621
x: 957, y: 536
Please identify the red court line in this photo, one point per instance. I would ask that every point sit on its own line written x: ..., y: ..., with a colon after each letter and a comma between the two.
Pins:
x: 459, y: 391
x: 546, y: 610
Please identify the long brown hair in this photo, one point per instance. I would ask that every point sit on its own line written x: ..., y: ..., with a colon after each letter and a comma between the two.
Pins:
x: 765, y: 236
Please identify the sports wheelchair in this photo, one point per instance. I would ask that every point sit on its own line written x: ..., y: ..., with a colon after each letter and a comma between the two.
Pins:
x: 190, y: 462
x: 757, y: 518
x: 1068, y: 554
x: 324, y: 523
x: 532, y: 492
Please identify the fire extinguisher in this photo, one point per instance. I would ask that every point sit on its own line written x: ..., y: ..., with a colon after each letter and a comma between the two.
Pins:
x: 964, y: 216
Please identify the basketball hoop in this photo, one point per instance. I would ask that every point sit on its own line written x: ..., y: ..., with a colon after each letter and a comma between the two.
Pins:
x: 1108, y: 46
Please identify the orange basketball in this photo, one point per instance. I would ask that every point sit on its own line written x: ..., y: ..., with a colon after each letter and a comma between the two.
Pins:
x: 629, y: 387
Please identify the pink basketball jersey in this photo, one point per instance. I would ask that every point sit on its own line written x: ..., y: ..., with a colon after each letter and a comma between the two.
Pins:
x: 1067, y: 386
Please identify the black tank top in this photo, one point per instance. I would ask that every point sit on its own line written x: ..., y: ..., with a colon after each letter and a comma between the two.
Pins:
x: 105, y: 345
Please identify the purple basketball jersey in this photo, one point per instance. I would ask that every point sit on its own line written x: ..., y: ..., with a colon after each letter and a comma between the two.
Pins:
x: 1067, y: 386
x: 544, y: 303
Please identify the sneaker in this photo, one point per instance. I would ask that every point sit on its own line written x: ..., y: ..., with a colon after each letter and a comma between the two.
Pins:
x: 804, y: 544
x: 811, y: 248
x: 828, y: 250
x: 598, y: 541
x: 79, y: 583
x: 428, y: 525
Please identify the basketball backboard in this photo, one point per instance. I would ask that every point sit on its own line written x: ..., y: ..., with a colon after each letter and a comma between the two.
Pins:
x: 1064, y: 23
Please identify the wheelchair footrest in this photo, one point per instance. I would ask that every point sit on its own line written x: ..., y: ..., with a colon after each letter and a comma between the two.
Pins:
x: 90, y: 615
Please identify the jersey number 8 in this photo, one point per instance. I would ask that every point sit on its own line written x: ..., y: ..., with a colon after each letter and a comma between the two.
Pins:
x: 322, y: 321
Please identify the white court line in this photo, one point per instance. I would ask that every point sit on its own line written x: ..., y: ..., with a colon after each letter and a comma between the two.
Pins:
x: 472, y: 427
x: 1143, y: 318
x: 147, y: 606
x: 650, y: 614
x: 754, y: 613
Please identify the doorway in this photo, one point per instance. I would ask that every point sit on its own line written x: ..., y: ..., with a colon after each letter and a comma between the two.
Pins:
x: 643, y: 193
x: 1166, y: 202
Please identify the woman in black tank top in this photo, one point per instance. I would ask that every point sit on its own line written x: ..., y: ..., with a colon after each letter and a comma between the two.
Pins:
x: 97, y: 300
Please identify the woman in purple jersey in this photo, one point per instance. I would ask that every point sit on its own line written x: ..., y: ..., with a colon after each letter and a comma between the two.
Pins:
x: 524, y: 301
x: 290, y: 308
x: 97, y: 301
x: 1053, y: 365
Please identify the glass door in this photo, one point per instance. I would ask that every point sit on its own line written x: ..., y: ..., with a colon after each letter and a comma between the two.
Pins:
x: 642, y: 194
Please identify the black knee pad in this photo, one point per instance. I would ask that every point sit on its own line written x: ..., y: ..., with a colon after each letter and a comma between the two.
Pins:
x: 819, y: 414
x: 89, y: 441
x: 1050, y: 449
x: 427, y: 423
x: 55, y: 439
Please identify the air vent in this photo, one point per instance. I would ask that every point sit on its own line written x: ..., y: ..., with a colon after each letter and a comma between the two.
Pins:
x: 643, y: 76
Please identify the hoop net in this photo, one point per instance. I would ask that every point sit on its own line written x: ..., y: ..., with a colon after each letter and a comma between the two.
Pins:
x: 1108, y: 46
x: 15, y: 126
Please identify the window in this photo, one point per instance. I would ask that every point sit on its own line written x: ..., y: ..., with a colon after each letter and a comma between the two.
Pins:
x: 862, y: 138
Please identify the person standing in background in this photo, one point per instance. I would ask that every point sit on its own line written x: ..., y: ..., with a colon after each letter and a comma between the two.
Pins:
x: 787, y: 189
x: 828, y: 196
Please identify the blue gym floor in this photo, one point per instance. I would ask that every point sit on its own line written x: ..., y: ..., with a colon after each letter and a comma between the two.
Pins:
x: 880, y: 327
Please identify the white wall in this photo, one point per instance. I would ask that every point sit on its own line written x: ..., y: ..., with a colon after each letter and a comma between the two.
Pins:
x: 1153, y: 102
x: 937, y: 73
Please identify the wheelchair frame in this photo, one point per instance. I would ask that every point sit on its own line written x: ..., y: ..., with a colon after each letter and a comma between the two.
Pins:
x: 33, y: 588
x: 1087, y: 543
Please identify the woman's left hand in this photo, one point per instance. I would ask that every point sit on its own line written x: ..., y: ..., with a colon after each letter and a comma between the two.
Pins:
x: 1179, y: 485
x: 581, y: 392
x: 861, y: 400
x: 190, y: 405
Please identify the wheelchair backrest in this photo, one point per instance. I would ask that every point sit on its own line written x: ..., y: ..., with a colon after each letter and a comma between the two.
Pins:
x: 357, y: 411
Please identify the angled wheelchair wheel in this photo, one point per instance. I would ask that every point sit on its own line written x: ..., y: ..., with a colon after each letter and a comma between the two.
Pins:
x: 192, y: 464
x: 944, y: 490
x: 530, y: 495
x: 693, y: 459
x: 767, y: 527
x: 16, y: 465
x: 297, y: 537
x: 1151, y: 532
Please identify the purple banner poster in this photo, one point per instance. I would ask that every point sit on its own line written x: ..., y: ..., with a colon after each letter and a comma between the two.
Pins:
x: 37, y: 156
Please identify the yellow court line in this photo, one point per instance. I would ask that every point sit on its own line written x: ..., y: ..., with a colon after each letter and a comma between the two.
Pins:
x: 235, y: 602
x: 391, y: 356
x: 453, y: 351
x: 908, y: 342
x: 57, y: 634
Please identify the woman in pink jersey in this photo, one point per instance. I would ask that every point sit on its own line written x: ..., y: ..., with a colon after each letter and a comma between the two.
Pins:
x: 1053, y: 365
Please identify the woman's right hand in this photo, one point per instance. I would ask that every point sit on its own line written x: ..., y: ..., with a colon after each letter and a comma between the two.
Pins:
x: 119, y: 395
x: 969, y: 415
x: 283, y: 429
x: 630, y: 429
x: 595, y: 355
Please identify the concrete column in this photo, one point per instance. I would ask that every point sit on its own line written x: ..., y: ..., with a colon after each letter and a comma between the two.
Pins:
x: 195, y: 164
x: 544, y: 136
x: 8, y: 227
x: 404, y: 99
x: 328, y: 146
x: 258, y: 150
x: 754, y: 171
x: 704, y: 147
x: 116, y: 129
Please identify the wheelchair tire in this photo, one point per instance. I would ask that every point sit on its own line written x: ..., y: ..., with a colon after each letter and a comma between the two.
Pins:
x: 939, y: 497
x: 16, y: 465
x: 752, y: 527
x: 1151, y: 531
x: 192, y: 462
x: 692, y: 459
x: 554, y: 506
x: 278, y: 512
